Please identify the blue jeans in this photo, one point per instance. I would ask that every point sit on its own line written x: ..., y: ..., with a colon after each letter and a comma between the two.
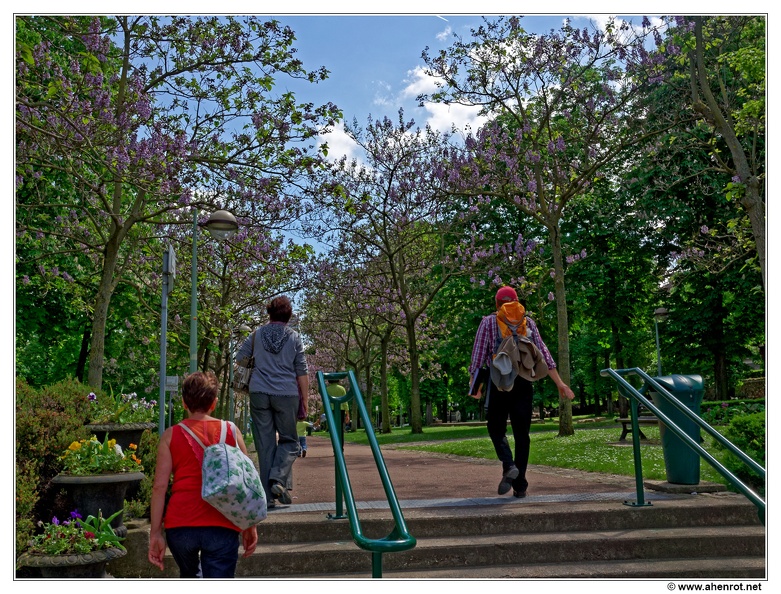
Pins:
x: 518, y: 405
x: 204, y: 551
x: 272, y: 416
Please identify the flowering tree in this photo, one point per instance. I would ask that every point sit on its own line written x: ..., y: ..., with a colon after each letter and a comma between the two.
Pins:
x: 122, y: 122
x: 563, y: 107
x: 394, y: 218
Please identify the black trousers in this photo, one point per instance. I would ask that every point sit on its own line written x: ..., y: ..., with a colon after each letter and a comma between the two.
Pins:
x: 517, y: 404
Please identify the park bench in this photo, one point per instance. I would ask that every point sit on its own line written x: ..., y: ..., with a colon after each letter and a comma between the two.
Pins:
x: 626, y: 422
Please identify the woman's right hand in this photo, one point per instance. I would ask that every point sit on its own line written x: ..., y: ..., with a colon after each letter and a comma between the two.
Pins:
x: 156, y: 550
x: 249, y: 540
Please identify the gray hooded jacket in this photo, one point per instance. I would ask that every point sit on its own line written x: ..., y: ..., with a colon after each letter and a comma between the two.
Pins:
x: 279, y: 359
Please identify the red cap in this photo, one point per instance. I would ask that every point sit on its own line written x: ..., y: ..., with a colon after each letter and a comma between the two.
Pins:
x: 505, y: 294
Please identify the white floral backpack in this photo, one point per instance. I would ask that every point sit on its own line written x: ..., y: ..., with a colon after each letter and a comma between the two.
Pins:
x: 230, y: 481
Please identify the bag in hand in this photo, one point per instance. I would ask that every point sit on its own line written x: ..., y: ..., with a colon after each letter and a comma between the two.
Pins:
x: 242, y: 374
x: 231, y: 482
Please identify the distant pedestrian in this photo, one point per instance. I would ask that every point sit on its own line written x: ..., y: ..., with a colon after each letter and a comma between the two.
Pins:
x: 517, y: 402
x: 301, y: 428
x: 279, y: 380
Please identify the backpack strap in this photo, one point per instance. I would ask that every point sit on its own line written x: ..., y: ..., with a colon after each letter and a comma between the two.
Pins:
x: 192, y: 434
x: 223, y: 433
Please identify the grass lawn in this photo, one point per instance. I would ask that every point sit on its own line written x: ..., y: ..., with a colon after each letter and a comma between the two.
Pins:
x: 590, y: 448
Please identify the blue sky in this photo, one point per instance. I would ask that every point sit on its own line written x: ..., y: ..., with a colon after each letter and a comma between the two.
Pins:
x: 376, y: 67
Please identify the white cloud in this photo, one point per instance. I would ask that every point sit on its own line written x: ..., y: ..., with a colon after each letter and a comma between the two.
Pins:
x: 418, y: 82
x: 339, y: 144
x: 443, y: 117
x: 445, y: 35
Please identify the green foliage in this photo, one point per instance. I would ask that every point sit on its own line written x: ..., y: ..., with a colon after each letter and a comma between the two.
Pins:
x: 747, y: 433
x: 722, y: 413
x: 138, y: 505
x: 75, y: 536
x: 26, y: 500
x: 47, y: 421
x: 122, y: 408
x: 89, y: 456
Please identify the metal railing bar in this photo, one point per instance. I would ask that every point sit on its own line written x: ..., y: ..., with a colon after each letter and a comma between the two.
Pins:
x: 399, y: 538
x: 743, y: 488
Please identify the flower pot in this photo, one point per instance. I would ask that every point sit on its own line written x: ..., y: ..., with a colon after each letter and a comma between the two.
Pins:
x: 100, y: 493
x: 82, y: 565
x: 124, y: 433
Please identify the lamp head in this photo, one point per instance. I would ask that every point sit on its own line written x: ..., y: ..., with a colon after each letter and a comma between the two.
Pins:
x: 222, y: 225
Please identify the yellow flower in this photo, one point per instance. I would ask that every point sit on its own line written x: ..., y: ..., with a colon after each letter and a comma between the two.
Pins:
x: 75, y: 446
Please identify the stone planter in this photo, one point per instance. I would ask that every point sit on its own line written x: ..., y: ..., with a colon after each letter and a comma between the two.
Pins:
x: 83, y: 565
x: 100, y: 493
x: 124, y: 433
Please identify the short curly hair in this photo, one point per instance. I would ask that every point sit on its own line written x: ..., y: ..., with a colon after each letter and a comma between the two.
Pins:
x: 280, y: 309
x: 199, y: 391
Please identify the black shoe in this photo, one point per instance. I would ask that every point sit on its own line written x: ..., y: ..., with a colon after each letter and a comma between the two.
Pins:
x: 519, y: 494
x: 507, y: 480
x: 279, y: 491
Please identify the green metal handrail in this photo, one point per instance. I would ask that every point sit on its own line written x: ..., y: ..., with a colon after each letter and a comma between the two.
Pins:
x: 636, y: 396
x: 399, y: 539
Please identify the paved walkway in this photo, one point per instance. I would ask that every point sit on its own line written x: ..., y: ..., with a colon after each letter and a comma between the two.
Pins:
x: 424, y: 479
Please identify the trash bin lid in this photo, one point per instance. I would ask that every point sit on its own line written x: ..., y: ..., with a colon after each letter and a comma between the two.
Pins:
x: 681, y: 384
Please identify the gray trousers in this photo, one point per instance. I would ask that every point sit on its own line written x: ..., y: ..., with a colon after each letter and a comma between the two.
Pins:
x: 275, y: 416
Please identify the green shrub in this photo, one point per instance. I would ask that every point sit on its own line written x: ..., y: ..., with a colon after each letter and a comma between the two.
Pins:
x: 720, y: 413
x: 26, y: 500
x: 747, y: 433
x: 47, y: 421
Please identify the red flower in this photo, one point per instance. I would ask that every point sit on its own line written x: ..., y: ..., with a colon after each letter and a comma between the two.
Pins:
x: 89, y: 535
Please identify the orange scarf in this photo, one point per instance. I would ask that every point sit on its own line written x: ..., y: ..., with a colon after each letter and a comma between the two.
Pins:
x: 513, y: 313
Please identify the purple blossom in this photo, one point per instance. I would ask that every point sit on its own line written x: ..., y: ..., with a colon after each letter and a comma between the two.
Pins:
x: 583, y: 253
x: 704, y: 230
x: 736, y: 179
x: 551, y: 296
x: 26, y: 280
x: 92, y: 397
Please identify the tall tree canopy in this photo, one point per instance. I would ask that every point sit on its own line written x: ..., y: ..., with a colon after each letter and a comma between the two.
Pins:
x: 124, y: 122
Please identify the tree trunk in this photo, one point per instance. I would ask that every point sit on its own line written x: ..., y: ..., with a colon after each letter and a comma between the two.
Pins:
x: 83, y: 354
x: 100, y: 310
x: 752, y: 199
x: 416, y: 422
x: 384, y: 407
x: 618, y: 347
x: 565, y: 406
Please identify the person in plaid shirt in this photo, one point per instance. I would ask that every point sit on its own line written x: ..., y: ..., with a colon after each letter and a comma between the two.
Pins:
x: 517, y: 403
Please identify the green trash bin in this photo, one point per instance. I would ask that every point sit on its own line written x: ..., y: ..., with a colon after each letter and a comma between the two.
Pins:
x: 681, y: 462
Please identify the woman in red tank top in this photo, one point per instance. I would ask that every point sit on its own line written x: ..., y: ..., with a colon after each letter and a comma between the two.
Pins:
x: 203, y: 542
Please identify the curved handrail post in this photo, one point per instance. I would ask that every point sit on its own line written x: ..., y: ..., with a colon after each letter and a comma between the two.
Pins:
x: 399, y: 539
x: 634, y: 394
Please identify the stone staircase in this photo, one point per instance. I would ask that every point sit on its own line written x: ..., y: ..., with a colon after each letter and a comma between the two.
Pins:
x: 693, y: 536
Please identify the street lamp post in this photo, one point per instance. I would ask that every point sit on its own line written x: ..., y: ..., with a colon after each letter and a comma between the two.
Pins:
x: 660, y: 315
x: 221, y: 225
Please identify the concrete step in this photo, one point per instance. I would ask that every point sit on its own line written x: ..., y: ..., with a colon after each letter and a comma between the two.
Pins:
x: 721, y: 568
x: 519, y: 549
x: 693, y: 511
x: 710, y: 535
